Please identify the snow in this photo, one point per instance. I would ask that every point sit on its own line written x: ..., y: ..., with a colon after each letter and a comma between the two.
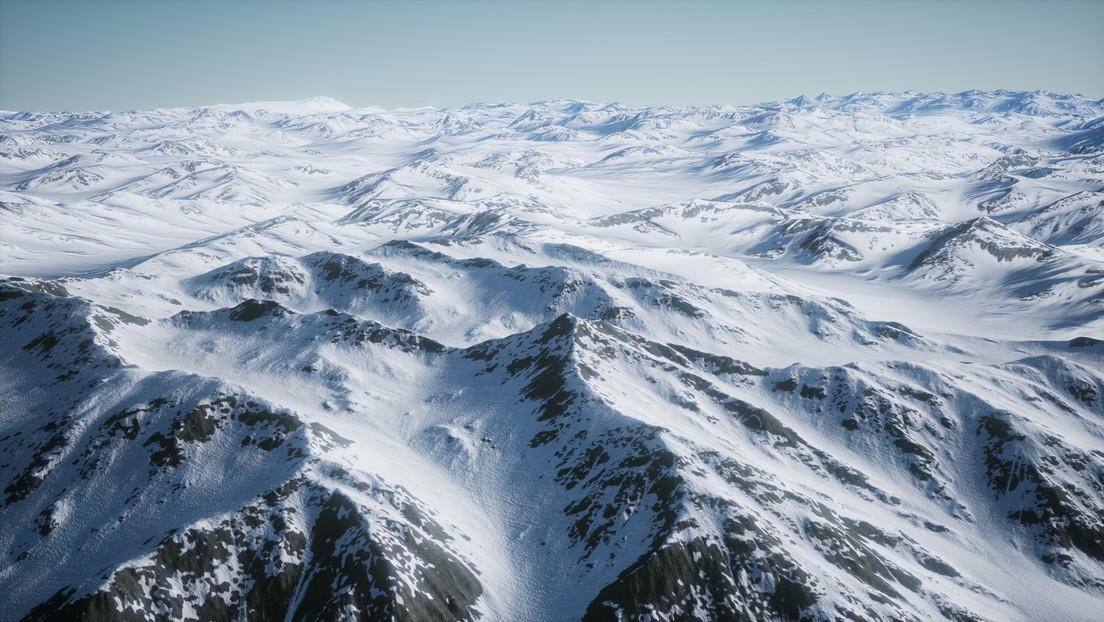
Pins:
x: 884, y: 275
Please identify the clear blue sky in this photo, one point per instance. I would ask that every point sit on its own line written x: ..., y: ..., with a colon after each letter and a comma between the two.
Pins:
x: 127, y: 54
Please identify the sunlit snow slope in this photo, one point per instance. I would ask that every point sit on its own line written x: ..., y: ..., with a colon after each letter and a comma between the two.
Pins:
x: 809, y: 360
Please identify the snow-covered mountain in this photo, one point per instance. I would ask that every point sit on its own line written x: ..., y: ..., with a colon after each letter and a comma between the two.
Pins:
x: 831, y: 358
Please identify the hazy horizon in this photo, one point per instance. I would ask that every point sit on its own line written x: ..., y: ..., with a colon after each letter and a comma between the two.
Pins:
x: 125, y: 55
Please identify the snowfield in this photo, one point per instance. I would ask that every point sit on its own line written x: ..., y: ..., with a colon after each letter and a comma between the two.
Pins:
x: 819, y: 359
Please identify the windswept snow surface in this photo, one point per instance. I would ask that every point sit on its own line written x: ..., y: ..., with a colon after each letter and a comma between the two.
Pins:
x: 832, y: 358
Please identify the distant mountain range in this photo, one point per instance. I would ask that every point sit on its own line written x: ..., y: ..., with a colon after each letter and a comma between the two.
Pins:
x: 818, y: 359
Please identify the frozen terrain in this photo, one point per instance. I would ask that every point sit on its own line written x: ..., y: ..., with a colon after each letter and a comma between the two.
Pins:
x: 820, y: 359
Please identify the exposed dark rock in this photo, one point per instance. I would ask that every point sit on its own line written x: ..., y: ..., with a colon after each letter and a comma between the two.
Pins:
x: 1061, y: 514
x: 1083, y: 342
x: 254, y: 309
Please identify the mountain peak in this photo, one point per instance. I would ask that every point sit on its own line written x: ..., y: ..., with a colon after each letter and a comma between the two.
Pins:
x: 313, y: 105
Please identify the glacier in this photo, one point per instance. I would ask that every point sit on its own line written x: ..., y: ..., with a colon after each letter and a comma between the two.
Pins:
x: 817, y: 359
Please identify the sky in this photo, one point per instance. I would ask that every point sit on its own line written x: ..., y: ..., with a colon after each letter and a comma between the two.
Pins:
x: 131, y: 54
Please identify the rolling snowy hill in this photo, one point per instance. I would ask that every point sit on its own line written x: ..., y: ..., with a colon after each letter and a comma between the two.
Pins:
x: 831, y: 358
